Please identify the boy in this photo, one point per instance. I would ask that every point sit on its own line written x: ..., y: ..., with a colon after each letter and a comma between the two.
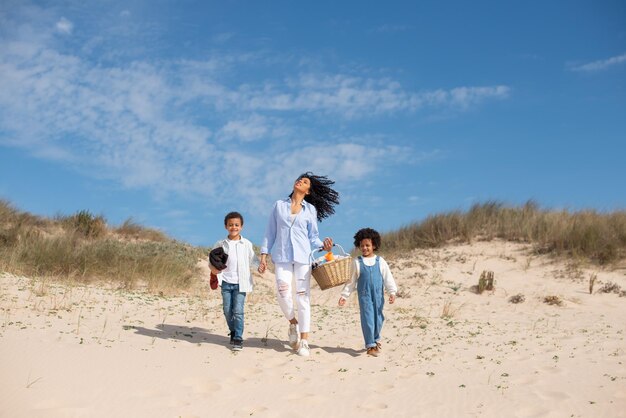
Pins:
x: 236, y: 278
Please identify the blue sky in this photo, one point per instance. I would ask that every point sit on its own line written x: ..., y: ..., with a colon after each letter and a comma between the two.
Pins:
x: 174, y: 113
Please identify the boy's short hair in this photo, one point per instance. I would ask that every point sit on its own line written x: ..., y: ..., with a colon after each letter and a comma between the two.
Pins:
x: 233, y: 215
x: 366, y: 233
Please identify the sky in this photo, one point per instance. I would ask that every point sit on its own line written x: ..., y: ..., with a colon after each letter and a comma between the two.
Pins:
x: 173, y: 113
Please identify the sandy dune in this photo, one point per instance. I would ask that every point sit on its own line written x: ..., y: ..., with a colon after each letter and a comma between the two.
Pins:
x: 76, y: 351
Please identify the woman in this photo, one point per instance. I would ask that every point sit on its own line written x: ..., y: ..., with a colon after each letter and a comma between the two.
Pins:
x: 290, y: 236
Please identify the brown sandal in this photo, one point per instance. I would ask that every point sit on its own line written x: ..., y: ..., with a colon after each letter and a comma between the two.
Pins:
x: 373, y: 351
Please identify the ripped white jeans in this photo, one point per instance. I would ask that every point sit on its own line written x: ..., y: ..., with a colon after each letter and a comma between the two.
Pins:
x: 286, y: 274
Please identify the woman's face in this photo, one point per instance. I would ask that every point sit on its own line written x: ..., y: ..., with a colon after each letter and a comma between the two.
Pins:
x: 302, y: 185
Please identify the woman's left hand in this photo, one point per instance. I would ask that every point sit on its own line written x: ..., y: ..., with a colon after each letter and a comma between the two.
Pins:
x: 328, y: 244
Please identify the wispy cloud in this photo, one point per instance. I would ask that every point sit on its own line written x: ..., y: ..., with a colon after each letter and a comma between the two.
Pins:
x: 187, y: 127
x: 389, y: 28
x: 253, y: 127
x: 64, y: 26
x: 223, y: 37
x: 354, y: 97
x: 599, y: 65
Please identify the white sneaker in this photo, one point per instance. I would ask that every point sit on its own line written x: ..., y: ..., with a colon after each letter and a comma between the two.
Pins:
x: 304, y: 349
x: 294, y: 334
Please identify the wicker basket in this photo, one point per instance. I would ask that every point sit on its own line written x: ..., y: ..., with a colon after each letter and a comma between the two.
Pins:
x: 333, y: 273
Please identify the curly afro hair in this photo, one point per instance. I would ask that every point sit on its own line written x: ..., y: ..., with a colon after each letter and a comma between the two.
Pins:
x: 321, y: 195
x: 366, y: 233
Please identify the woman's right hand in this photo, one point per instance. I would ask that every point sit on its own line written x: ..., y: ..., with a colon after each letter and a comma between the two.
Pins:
x: 342, y: 301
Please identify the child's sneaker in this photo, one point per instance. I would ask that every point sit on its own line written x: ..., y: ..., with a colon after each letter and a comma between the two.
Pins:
x: 293, y: 335
x: 304, y: 348
x: 232, y: 338
x: 237, y: 345
x: 373, y: 351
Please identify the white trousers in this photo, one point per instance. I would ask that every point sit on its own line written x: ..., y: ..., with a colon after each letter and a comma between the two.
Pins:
x: 286, y: 274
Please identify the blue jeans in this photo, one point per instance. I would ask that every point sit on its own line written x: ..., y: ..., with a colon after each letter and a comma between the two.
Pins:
x: 233, y: 301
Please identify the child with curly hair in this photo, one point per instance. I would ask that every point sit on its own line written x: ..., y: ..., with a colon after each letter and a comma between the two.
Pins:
x: 370, y: 274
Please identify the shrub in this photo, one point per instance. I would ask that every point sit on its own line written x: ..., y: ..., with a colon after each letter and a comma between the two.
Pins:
x: 131, y: 229
x: 88, y: 225
x: 598, y: 237
x: 58, y: 248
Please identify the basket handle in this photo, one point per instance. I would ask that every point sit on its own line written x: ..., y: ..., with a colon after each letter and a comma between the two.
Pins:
x: 312, y: 258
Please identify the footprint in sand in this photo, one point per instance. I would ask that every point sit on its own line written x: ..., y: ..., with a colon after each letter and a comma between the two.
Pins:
x: 275, y: 362
x: 532, y: 411
x: 385, y: 387
x: 551, y: 396
x: 374, y: 406
x: 201, y: 385
x: 248, y: 372
x: 307, y: 398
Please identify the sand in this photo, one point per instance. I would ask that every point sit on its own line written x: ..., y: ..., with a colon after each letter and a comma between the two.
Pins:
x: 94, y: 351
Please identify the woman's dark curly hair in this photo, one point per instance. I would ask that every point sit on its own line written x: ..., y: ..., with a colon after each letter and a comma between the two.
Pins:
x: 321, y: 195
x: 366, y: 233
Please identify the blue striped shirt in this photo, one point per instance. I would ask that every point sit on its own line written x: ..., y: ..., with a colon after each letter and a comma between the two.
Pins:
x: 291, y: 240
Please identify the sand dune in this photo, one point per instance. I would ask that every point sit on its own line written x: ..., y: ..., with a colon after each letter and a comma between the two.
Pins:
x: 86, y: 351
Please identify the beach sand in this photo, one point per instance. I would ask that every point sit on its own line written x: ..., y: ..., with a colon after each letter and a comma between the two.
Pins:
x: 94, y: 351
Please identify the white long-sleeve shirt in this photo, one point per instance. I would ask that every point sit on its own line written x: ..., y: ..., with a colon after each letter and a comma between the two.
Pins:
x: 241, y: 252
x: 291, y: 237
x: 385, y: 271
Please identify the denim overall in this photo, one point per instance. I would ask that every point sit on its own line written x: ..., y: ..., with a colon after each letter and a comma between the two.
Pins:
x: 371, y: 301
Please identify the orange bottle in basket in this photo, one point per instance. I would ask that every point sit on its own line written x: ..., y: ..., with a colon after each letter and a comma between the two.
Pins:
x: 329, y: 256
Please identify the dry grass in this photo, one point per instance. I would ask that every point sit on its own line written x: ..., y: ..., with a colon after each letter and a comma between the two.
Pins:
x: 448, y: 311
x: 132, y: 230
x: 592, y: 282
x: 82, y: 248
x: 599, y: 237
x: 610, y: 287
x: 553, y: 300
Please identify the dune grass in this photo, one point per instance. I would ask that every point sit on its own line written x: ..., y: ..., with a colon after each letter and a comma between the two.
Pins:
x: 82, y: 248
x: 598, y: 237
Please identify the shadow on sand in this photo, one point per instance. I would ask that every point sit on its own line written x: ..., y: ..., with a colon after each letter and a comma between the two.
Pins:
x: 197, y: 335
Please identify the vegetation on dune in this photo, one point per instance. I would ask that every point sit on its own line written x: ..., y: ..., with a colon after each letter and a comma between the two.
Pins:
x: 82, y: 247
x: 598, y: 237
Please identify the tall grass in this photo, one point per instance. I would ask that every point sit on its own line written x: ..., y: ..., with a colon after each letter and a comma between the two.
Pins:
x: 133, y: 230
x: 81, y: 247
x: 599, y: 237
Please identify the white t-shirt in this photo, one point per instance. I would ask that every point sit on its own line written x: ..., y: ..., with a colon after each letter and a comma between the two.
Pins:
x: 229, y: 274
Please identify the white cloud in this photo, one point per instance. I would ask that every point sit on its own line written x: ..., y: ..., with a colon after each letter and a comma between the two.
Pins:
x: 64, y: 26
x: 223, y: 37
x: 600, y: 64
x: 252, y: 128
x: 169, y: 126
x: 354, y: 97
